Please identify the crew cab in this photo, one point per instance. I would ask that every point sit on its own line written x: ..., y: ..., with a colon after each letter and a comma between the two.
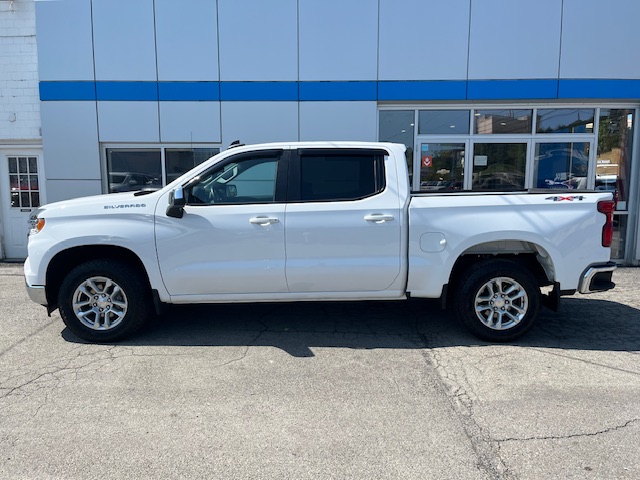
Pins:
x: 316, y: 221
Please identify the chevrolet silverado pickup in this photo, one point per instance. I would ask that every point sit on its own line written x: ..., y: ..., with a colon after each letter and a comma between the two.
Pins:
x: 315, y: 221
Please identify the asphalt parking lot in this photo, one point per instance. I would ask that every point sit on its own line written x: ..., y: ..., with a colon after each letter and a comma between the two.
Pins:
x: 318, y: 391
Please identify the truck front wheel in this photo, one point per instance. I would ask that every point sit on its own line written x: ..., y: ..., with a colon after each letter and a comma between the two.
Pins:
x: 497, y: 300
x: 103, y: 300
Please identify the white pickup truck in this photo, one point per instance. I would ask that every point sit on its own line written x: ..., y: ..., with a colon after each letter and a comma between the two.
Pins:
x: 316, y: 221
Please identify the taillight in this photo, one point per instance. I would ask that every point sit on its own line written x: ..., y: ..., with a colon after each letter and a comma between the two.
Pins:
x: 607, y: 207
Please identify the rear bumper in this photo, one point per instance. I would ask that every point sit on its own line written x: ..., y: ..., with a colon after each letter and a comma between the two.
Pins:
x: 597, y: 278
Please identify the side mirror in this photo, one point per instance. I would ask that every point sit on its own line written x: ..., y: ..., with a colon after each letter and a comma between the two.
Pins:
x: 176, y: 203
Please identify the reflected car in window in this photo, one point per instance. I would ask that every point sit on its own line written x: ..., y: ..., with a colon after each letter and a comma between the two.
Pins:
x: 129, y: 181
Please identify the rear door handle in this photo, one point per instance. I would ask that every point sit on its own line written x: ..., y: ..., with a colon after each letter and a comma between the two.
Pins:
x: 378, y: 218
x: 263, y: 220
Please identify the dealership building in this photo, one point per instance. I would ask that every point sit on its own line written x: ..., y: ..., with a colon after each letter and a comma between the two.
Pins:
x: 487, y: 95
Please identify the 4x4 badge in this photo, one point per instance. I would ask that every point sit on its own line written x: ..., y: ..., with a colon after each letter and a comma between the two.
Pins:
x: 570, y: 198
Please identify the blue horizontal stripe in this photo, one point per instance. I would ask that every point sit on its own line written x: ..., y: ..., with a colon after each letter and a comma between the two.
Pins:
x: 335, y: 91
x: 67, y: 91
x: 418, y: 90
x: 512, y: 89
x: 189, y: 91
x: 599, y: 88
x: 444, y: 90
x: 259, y: 91
x: 127, y: 91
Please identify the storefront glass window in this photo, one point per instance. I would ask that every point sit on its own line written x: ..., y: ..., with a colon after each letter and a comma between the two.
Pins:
x: 443, y: 122
x: 441, y: 166
x: 565, y: 120
x: 499, y: 166
x: 613, y: 163
x: 397, y: 126
x: 133, y: 169
x: 561, y: 165
x: 179, y: 161
x: 502, y: 121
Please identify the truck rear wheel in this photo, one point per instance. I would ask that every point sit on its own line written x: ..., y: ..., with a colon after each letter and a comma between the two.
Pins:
x: 497, y: 300
x: 103, y: 300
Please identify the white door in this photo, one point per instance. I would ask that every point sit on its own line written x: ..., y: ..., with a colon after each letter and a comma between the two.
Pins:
x: 343, y: 227
x: 21, y: 189
x: 231, y: 236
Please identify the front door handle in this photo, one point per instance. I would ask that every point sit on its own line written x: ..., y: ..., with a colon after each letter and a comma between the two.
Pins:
x: 378, y: 218
x: 263, y: 220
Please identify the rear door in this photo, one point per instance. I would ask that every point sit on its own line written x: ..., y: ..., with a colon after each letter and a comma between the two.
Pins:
x: 343, y: 222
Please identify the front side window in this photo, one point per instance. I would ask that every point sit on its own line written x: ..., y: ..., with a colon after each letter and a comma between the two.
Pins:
x: 340, y: 176
x: 247, y: 180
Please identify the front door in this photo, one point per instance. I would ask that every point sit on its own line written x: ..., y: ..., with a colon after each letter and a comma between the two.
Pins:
x: 230, y: 239
x: 21, y: 189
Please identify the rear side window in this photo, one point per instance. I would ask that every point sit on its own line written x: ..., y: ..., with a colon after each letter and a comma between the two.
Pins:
x: 340, y: 175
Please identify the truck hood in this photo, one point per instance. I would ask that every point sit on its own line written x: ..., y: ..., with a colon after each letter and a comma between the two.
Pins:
x: 106, y: 203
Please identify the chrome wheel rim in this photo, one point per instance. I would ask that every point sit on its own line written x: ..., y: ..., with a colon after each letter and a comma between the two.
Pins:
x: 100, y: 303
x: 501, y: 303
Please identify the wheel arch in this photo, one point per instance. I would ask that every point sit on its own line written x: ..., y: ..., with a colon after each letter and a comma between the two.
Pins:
x: 529, y: 255
x: 66, y: 260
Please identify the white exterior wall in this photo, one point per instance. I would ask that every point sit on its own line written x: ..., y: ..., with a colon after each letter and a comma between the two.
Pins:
x: 19, y: 98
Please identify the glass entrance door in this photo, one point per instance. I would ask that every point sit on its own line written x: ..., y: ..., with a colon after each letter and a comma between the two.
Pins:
x: 442, y: 166
x: 561, y: 165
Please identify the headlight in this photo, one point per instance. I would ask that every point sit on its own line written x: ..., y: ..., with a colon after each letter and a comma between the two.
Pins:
x: 36, y: 222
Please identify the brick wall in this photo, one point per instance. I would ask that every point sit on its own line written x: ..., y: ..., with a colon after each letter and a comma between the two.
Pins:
x: 19, y: 98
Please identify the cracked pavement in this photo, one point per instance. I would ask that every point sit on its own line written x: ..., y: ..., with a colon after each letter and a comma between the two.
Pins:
x: 322, y: 390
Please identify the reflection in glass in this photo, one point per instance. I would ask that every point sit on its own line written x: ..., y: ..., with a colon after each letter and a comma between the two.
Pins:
x: 180, y: 161
x: 398, y: 126
x: 613, y: 163
x: 561, y: 165
x: 499, y: 166
x: 133, y: 169
x: 503, y: 121
x: 565, y: 120
x: 619, y: 236
x: 441, y: 166
x: 443, y: 122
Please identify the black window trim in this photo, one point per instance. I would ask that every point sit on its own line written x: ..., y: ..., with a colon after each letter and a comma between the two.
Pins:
x: 294, y: 193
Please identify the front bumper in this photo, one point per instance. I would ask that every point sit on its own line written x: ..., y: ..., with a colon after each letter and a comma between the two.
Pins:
x: 597, y: 278
x: 37, y: 294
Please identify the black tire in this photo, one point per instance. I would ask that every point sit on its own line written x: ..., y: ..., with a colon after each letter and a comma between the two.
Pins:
x: 104, y: 300
x: 498, y: 300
